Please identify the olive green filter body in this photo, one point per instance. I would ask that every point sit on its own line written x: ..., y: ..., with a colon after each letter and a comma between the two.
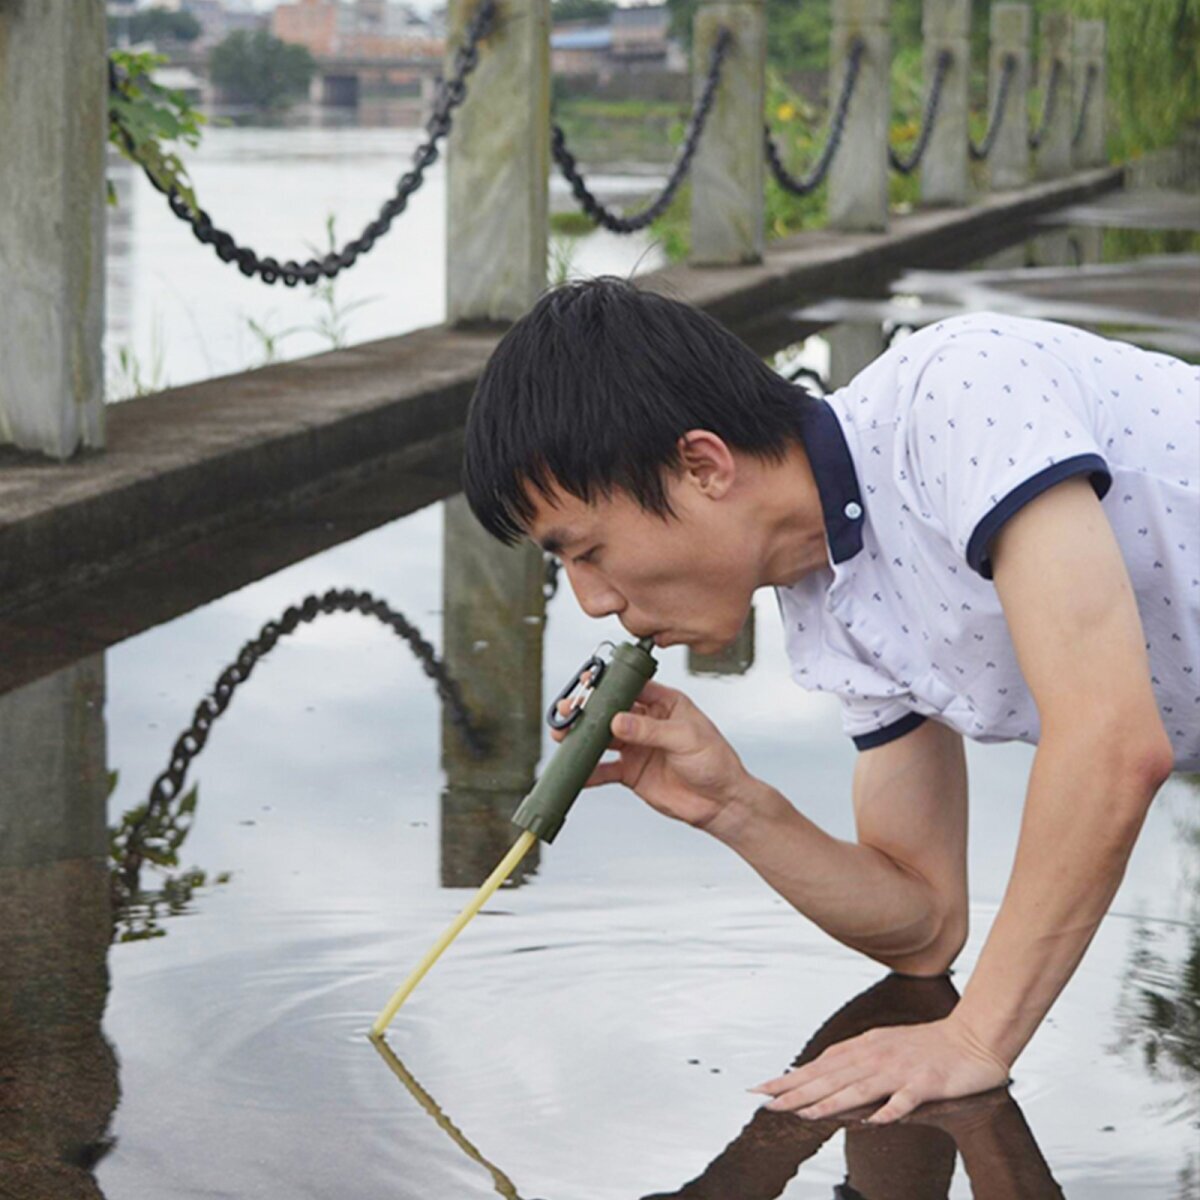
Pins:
x: 543, y: 811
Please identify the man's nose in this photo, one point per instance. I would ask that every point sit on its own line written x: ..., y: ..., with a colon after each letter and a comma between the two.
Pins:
x: 596, y: 596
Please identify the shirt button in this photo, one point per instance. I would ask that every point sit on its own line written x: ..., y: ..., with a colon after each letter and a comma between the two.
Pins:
x: 853, y: 510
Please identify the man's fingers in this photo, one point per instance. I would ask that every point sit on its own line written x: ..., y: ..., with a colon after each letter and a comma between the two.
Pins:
x: 605, y: 772
x: 644, y: 730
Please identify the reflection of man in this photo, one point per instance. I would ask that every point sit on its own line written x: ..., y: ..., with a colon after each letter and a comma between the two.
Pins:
x: 943, y: 563
x: 912, y: 1161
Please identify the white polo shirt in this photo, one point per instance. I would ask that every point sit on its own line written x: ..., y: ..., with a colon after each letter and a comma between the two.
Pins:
x: 921, y: 459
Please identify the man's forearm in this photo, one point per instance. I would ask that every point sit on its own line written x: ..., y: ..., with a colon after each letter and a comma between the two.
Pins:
x: 856, y: 893
x: 1083, y: 811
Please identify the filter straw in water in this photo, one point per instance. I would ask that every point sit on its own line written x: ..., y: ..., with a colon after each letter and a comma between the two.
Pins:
x: 598, y: 691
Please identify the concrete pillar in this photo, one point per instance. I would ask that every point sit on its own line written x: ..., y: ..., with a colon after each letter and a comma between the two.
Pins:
x: 946, y: 26
x: 53, y: 123
x: 493, y: 621
x: 1091, y: 56
x: 1053, y: 157
x: 497, y: 166
x: 1008, y: 163
x: 853, y: 345
x: 735, y: 659
x: 728, y: 171
x: 858, y: 177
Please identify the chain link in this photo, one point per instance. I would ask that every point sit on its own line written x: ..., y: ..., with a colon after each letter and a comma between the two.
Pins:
x: 169, y: 784
x: 1088, y: 82
x: 1008, y: 72
x: 605, y: 216
x: 1056, y: 72
x: 906, y: 166
x: 451, y: 93
x: 815, y: 177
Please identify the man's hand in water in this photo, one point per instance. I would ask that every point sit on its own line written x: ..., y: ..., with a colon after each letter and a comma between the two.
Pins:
x: 673, y: 757
x: 903, y: 1065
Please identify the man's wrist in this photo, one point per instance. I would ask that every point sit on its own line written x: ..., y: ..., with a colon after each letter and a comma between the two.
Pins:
x: 744, y: 812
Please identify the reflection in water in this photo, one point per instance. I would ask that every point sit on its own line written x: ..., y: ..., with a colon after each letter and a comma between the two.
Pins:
x: 503, y: 1185
x: 911, y: 1160
x: 1159, y: 1009
x: 494, y: 609
x: 58, y: 1074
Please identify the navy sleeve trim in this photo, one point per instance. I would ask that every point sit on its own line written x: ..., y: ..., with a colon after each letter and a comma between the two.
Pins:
x: 889, y: 733
x: 1010, y: 505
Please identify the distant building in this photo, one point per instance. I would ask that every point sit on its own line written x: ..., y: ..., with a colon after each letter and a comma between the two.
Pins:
x: 634, y: 39
x: 580, y: 48
x: 217, y: 18
x: 378, y: 29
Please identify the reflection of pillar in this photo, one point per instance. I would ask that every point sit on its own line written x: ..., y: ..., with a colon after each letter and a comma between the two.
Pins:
x: 1053, y: 248
x: 735, y: 659
x: 493, y: 616
x: 1011, y: 258
x: 58, y: 1076
x: 1087, y: 244
x: 852, y: 346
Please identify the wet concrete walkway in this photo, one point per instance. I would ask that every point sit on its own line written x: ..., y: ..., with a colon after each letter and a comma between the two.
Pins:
x: 186, y: 462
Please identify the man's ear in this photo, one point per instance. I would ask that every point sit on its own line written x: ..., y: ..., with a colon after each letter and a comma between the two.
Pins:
x: 707, y: 461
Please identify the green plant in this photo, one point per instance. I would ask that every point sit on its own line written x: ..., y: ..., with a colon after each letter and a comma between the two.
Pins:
x: 132, y: 377
x: 562, y: 257
x: 331, y: 319
x: 142, y: 116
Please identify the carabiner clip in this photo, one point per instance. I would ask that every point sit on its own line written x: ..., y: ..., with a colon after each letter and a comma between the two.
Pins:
x: 576, y: 693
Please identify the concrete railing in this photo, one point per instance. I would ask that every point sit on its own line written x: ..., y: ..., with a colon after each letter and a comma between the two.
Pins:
x: 499, y: 158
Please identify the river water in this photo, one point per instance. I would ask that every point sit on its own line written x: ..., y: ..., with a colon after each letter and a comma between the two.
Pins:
x: 592, y: 1034
x: 176, y: 313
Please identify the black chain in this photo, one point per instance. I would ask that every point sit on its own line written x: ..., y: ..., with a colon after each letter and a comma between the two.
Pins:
x: 451, y: 93
x: 906, y: 166
x: 167, y: 787
x: 813, y: 376
x: 1008, y: 72
x: 815, y: 177
x: 1056, y: 71
x: 605, y: 216
x: 1092, y: 72
x: 550, y: 578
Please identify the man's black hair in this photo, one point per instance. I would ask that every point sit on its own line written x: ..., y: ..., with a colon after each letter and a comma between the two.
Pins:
x: 592, y: 388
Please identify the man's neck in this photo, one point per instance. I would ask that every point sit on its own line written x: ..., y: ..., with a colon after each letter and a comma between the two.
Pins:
x: 791, y: 514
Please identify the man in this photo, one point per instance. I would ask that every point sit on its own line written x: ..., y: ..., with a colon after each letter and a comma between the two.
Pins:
x: 993, y: 532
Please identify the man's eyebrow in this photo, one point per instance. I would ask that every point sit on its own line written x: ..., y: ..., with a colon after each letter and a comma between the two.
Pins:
x: 555, y: 540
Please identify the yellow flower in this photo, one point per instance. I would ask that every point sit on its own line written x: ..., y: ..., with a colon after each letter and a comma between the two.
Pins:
x: 786, y: 111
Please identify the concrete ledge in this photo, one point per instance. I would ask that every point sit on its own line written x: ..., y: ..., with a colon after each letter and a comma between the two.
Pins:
x: 187, y: 461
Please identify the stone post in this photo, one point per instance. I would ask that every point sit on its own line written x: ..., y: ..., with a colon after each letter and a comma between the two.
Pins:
x: 728, y: 170
x: 1091, y: 57
x: 493, y: 624
x: 497, y: 166
x: 853, y: 346
x: 1053, y: 157
x: 858, y: 177
x: 946, y: 25
x: 53, y: 124
x: 1008, y: 162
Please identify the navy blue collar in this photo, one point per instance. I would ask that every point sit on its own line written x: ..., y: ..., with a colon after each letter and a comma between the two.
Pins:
x: 833, y: 469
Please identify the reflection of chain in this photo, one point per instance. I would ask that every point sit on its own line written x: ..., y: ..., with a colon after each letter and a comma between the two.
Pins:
x: 813, y: 180
x: 1056, y: 71
x: 451, y: 93
x: 906, y: 166
x: 605, y: 216
x: 1007, y: 72
x: 170, y: 783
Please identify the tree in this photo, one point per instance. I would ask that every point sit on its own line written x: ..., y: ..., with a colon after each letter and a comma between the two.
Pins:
x: 581, y: 10
x: 157, y: 25
x: 256, y: 68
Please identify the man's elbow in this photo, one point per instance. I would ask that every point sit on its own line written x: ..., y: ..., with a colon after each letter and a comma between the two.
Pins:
x: 938, y: 953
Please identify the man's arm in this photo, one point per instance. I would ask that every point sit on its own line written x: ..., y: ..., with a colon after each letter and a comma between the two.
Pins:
x: 899, y: 893
x: 1103, y: 754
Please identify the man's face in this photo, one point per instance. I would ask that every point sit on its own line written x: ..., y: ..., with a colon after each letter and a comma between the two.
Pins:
x: 688, y: 579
